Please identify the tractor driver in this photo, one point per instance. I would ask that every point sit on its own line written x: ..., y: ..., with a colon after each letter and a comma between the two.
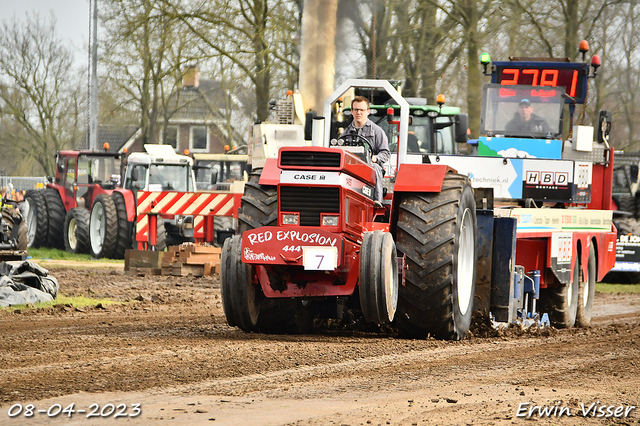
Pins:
x: 361, y: 125
x: 524, y: 120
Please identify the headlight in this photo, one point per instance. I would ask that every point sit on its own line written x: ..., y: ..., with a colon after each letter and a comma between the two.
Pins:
x: 329, y: 220
x: 289, y: 219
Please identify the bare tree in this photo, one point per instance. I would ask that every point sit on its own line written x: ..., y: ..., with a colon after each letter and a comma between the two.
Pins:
x: 145, y: 53
x: 255, y: 35
x: 38, y: 96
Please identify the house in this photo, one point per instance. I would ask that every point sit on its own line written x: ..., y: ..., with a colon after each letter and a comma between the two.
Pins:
x: 196, y: 119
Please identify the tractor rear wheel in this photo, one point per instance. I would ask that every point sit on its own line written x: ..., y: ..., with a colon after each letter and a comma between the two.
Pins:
x: 37, y: 219
x: 437, y: 234
x: 10, y: 216
x: 103, y: 227
x: 76, y: 230
x: 586, y: 291
x: 240, y: 298
x: 378, y: 282
x: 124, y: 228
x: 259, y: 204
x: 57, y: 214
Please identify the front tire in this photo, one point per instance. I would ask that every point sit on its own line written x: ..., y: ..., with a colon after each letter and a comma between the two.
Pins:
x: 76, y: 231
x: 378, y: 284
x: 103, y: 227
x: 586, y: 292
x: 240, y: 298
x: 437, y: 233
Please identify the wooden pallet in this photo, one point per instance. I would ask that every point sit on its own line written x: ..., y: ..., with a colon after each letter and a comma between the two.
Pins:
x: 185, y: 259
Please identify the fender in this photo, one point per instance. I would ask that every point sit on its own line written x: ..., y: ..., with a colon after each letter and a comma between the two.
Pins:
x: 270, y: 172
x: 130, y: 203
x: 420, y: 177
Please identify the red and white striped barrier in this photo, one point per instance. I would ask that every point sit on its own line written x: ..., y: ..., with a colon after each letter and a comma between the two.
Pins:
x: 201, y: 205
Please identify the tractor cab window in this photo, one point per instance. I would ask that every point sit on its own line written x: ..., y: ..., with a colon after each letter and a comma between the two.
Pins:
x: 169, y: 177
x: 138, y: 171
x: 225, y: 171
x: 522, y: 111
x: 422, y: 137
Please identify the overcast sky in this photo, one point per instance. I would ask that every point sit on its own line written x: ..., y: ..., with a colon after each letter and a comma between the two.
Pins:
x: 72, y: 17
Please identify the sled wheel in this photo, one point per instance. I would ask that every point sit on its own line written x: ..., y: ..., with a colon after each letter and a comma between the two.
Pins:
x: 561, y: 302
x: 76, y: 231
x: 240, y: 298
x: 57, y: 214
x: 37, y: 220
x: 103, y: 227
x: 437, y: 233
x: 378, y: 283
x: 586, y: 291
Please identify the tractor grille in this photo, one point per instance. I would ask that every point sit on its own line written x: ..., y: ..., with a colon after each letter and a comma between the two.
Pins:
x: 309, y: 202
x: 310, y: 159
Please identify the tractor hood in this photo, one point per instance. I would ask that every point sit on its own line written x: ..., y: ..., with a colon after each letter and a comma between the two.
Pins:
x: 325, y: 159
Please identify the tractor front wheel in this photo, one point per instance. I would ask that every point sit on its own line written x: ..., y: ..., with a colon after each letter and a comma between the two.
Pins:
x: 240, y: 298
x: 76, y: 230
x: 437, y: 234
x: 378, y: 277
x: 103, y: 227
x: 586, y: 291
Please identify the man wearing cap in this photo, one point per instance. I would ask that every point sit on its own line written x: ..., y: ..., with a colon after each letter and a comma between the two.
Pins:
x: 524, y: 120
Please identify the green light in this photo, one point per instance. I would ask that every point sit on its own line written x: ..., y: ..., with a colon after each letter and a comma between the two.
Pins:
x: 485, y: 58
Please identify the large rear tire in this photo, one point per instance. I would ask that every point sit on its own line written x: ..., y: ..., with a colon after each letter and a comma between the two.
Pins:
x: 240, y: 298
x: 37, y: 220
x: 259, y: 204
x: 57, y: 214
x: 378, y: 281
x: 124, y: 227
x: 103, y: 227
x: 437, y: 233
x: 586, y: 292
x: 76, y: 231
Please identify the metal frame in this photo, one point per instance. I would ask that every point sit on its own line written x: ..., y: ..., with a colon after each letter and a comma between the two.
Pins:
x: 370, y: 84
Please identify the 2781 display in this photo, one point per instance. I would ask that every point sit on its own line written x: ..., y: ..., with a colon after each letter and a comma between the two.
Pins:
x: 573, y: 76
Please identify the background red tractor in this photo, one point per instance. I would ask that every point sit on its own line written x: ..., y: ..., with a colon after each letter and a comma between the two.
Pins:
x: 83, y: 210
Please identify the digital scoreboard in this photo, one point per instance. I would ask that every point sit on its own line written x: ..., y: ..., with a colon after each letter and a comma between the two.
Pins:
x: 570, y: 75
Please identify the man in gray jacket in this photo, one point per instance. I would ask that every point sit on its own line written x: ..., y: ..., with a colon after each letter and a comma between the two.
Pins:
x: 361, y: 125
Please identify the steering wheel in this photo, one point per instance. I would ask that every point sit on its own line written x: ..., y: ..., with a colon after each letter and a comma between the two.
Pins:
x: 356, y: 140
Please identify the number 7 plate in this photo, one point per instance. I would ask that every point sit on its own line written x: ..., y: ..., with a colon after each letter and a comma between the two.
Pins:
x: 317, y: 258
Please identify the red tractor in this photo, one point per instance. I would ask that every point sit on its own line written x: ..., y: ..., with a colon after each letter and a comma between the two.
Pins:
x: 312, y: 243
x: 83, y: 210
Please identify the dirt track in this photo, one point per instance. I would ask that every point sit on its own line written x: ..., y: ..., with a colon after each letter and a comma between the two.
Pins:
x: 172, y: 352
